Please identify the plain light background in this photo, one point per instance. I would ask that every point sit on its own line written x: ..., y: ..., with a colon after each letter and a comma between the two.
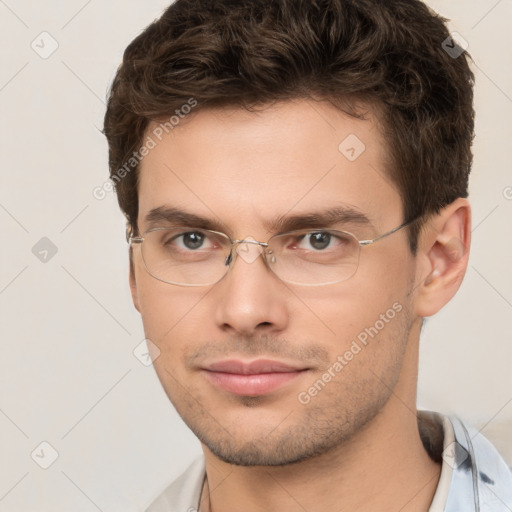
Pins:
x: 68, y: 373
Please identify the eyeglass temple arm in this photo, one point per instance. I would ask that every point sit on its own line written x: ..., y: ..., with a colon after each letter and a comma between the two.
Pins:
x: 384, y: 235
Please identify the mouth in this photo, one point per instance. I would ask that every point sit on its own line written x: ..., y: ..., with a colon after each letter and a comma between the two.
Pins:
x: 253, y: 378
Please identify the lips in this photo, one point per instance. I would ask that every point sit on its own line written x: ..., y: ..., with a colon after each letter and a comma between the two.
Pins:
x: 254, y: 378
x: 251, y: 368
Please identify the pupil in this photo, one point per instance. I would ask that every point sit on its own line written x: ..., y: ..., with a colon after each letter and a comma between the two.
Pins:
x: 320, y: 240
x: 193, y: 240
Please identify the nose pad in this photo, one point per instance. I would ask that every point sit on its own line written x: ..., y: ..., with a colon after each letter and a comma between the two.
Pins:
x: 271, y: 257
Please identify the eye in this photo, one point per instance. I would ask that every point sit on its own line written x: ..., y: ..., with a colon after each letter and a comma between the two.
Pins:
x: 316, y: 240
x: 319, y: 240
x: 189, y: 240
x: 193, y: 240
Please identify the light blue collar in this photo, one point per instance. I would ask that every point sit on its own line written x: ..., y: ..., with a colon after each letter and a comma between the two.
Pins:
x: 481, y: 480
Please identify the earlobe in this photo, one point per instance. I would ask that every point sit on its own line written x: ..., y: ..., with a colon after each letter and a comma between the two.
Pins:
x: 444, y: 257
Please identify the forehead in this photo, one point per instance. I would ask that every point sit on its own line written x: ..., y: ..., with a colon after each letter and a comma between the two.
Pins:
x: 244, y: 168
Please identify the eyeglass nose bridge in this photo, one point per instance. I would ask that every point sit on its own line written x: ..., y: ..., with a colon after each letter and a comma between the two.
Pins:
x: 234, y: 243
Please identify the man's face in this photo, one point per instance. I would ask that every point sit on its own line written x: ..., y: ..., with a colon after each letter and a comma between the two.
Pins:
x: 243, y: 170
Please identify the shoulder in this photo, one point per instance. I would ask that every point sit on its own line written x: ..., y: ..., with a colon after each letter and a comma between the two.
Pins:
x: 183, y: 494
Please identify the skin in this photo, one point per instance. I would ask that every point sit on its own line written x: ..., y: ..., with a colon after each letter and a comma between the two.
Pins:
x: 355, y: 445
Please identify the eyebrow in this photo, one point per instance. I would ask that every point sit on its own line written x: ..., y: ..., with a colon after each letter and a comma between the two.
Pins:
x: 162, y: 216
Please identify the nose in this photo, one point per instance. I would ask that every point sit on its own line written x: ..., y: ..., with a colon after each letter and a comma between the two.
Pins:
x: 250, y: 299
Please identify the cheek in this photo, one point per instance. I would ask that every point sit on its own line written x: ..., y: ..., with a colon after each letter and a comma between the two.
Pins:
x: 174, y: 321
x: 167, y: 310
x: 353, y: 303
x: 367, y: 307
x: 384, y: 274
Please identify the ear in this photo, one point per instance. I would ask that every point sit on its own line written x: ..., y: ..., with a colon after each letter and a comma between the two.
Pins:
x: 443, y: 254
x: 133, y: 283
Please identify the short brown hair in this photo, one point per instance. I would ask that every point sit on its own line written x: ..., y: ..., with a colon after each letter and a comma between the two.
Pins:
x: 390, y: 53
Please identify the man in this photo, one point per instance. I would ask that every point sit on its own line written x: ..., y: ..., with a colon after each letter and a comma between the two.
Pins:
x: 294, y: 176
